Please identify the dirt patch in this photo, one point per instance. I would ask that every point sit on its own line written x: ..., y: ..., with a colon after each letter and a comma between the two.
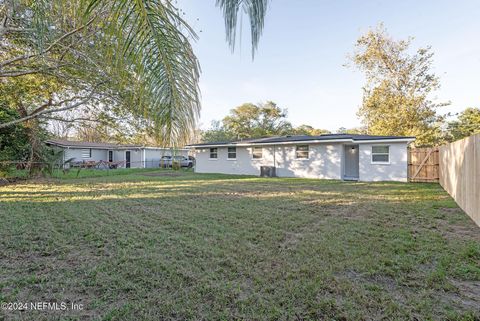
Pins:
x: 468, y: 295
x: 290, y: 240
x: 345, y: 211
x: 386, y: 282
x: 162, y: 174
x: 465, y: 298
x: 450, y: 210
x: 459, y: 229
x: 10, y: 181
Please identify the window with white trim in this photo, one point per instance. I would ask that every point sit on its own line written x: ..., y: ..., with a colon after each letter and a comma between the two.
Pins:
x: 232, y: 153
x: 87, y: 153
x: 213, y: 153
x: 301, y: 152
x: 381, y: 154
x: 257, y: 152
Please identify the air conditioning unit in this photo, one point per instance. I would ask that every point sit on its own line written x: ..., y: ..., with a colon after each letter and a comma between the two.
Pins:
x: 267, y: 171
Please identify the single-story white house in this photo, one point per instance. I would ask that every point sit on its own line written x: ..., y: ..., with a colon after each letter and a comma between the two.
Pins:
x: 128, y: 156
x: 330, y: 156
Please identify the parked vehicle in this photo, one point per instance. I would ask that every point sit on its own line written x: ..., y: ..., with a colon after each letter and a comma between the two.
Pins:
x: 167, y: 161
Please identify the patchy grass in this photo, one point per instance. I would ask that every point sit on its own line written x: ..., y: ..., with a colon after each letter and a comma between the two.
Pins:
x: 88, y: 173
x: 145, y: 246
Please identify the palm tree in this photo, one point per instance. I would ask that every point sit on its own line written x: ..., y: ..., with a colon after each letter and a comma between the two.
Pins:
x: 134, y: 54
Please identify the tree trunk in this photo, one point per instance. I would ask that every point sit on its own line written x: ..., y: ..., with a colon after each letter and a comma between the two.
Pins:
x: 35, y: 158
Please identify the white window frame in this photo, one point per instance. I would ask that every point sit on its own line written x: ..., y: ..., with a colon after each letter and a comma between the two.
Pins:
x: 308, y: 152
x: 229, y: 152
x: 89, y: 152
x: 377, y: 162
x: 253, y: 153
x: 210, y: 153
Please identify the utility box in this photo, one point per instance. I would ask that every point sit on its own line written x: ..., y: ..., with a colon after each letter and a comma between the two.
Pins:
x: 267, y: 171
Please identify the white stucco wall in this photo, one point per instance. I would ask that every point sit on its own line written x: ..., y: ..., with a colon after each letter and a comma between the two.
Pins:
x: 243, y: 165
x: 396, y: 170
x: 324, y: 161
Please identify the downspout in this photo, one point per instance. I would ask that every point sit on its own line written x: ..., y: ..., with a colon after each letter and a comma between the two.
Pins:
x: 275, y: 158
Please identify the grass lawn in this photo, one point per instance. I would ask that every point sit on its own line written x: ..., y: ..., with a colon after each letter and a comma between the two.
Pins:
x: 165, y: 245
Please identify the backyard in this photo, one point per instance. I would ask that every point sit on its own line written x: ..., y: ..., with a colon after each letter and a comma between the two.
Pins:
x: 151, y: 245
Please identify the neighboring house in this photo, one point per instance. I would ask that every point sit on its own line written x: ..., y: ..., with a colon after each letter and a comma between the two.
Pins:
x: 127, y: 156
x: 331, y: 156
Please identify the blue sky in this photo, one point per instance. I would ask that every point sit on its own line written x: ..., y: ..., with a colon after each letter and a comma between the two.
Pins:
x: 300, y: 58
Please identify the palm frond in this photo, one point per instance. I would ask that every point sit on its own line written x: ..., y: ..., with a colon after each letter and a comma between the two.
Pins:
x: 256, y: 11
x: 141, y: 48
x: 152, y: 43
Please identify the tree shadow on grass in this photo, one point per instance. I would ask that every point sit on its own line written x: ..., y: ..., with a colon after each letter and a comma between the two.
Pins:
x: 234, y: 248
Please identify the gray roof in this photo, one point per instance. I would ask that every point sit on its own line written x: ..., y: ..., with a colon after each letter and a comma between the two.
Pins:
x: 305, y: 138
x: 80, y: 144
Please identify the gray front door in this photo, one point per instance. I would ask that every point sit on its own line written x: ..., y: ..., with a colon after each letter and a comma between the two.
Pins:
x: 127, y: 159
x: 351, y: 162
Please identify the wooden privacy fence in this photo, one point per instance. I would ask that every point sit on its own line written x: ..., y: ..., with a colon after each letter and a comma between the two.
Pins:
x: 423, y: 164
x: 460, y: 173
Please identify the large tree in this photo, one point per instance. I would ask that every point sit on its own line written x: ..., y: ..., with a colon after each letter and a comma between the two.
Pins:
x: 130, y: 53
x: 309, y: 130
x: 253, y: 121
x: 250, y: 120
x: 22, y: 141
x: 466, y: 124
x: 400, y: 81
x: 216, y: 133
x: 130, y: 56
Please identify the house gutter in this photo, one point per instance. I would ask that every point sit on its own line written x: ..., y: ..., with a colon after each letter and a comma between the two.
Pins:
x: 399, y: 140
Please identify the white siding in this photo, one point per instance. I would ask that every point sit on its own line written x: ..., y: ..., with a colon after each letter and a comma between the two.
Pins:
x: 136, y: 157
x: 396, y: 170
x: 118, y: 155
x: 97, y: 154
x: 153, y: 155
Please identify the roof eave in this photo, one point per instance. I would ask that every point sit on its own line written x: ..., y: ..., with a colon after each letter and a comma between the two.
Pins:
x: 350, y: 140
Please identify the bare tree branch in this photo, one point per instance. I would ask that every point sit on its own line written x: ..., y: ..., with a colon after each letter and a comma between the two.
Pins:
x: 73, y: 120
x: 18, y: 73
x: 42, y: 107
x: 49, y: 111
